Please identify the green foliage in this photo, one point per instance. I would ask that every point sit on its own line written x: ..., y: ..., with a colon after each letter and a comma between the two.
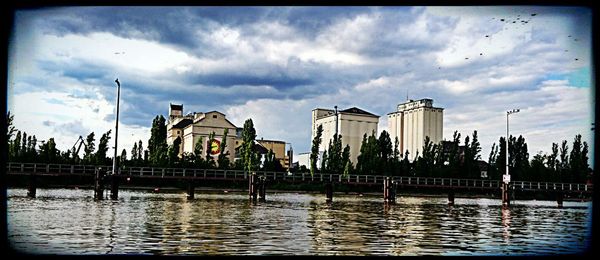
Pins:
x: 88, y: 156
x: 223, y: 160
x: 198, y: 160
x: 578, y: 161
x: 210, y: 162
x: 100, y: 156
x: 334, y: 158
x: 314, y: 151
x: 250, y: 159
x: 157, y: 144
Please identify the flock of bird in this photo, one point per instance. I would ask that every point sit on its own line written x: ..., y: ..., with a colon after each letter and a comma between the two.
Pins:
x: 522, y: 21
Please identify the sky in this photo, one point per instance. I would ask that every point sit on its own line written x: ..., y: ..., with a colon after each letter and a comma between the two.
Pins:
x: 275, y: 64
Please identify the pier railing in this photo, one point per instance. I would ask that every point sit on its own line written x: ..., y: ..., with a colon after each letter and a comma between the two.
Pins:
x: 217, y: 174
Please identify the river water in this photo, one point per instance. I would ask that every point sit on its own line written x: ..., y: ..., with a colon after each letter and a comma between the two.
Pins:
x: 70, y: 221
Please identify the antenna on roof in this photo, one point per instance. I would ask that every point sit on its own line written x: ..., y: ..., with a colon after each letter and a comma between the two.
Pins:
x: 407, y: 94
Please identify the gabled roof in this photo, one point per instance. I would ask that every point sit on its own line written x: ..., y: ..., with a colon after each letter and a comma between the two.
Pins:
x: 217, y: 112
x: 356, y: 110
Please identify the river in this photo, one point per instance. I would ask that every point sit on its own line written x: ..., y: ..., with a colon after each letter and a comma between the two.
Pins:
x: 70, y: 221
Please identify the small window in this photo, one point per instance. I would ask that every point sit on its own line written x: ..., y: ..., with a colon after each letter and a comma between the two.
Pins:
x: 177, y: 131
x: 214, y: 116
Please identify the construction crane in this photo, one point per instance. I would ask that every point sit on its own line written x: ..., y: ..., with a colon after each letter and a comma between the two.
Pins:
x: 81, y: 142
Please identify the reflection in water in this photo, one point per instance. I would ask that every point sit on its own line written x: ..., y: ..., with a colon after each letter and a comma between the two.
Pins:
x: 506, y: 224
x: 71, y: 222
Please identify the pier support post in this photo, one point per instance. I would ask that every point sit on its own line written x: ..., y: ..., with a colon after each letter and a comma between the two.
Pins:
x: 31, y: 189
x: 262, y: 189
x: 559, y: 199
x: 451, y: 197
x: 389, y: 190
x: 114, y: 187
x: 190, y: 190
x: 252, y: 183
x: 505, y: 195
x: 99, y: 184
x: 329, y: 191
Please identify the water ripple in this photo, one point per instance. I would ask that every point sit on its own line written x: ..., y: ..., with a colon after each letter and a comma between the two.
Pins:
x: 62, y: 221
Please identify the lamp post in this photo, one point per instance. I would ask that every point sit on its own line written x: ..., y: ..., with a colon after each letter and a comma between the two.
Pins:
x: 506, y: 177
x: 116, y: 126
x: 115, y: 185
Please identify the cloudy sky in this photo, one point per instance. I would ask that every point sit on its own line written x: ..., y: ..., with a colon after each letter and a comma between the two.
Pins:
x: 275, y: 65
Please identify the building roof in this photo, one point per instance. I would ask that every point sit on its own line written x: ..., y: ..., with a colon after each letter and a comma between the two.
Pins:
x: 257, y: 147
x: 270, y: 141
x: 356, y: 110
x: 183, y: 123
x: 176, y: 107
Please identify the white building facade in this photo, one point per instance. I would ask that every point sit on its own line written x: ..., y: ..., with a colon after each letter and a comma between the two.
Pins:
x: 412, y: 122
x: 352, y: 124
x: 189, y: 129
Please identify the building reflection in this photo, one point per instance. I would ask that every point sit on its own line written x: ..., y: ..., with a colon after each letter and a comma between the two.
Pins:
x: 340, y: 228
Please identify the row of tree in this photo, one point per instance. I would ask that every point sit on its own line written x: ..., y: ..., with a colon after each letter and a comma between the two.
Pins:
x: 23, y: 148
x: 450, y: 159
x: 378, y: 156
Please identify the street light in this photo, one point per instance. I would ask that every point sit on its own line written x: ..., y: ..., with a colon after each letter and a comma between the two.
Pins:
x: 116, y: 126
x: 506, y: 177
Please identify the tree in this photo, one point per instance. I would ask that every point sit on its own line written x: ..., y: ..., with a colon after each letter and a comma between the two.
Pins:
x: 335, y: 163
x: 10, y: 130
x: 538, y: 169
x: 173, y: 152
x: 563, y: 167
x: 140, y: 152
x: 249, y: 158
x: 314, y: 152
x: 425, y: 163
x: 209, y: 160
x: 198, y: 161
x: 493, y: 172
x: 102, y: 149
x: 501, y: 159
x: 454, y: 156
x: 89, y: 148
x: 48, y: 152
x: 369, y: 158
x: 324, y: 162
x: 384, y: 153
x: 25, y: 149
x: 134, y: 152
x: 223, y: 160
x: 123, y: 158
x: 157, y: 144
x: 552, y: 164
x: 348, y: 167
x: 15, y: 147
x: 471, y: 156
x: 578, y: 161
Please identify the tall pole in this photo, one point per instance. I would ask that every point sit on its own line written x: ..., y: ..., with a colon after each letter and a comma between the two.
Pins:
x: 507, y: 113
x: 506, y: 177
x: 116, y: 127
